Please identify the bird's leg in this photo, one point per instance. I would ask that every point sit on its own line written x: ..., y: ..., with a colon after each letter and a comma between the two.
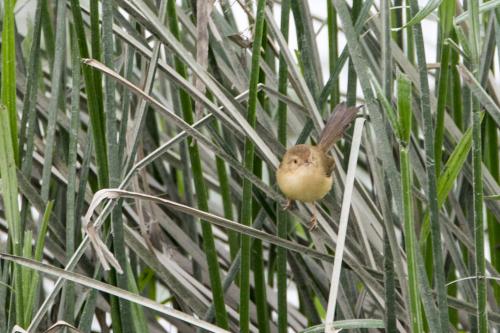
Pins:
x: 288, y: 204
x: 313, y: 222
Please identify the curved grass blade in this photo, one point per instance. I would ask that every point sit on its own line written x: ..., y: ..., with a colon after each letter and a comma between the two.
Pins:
x: 422, y: 13
x: 189, y: 129
x: 214, y: 219
x: 112, y: 290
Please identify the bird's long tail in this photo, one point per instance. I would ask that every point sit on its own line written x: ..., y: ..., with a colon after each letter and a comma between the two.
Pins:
x: 336, y: 125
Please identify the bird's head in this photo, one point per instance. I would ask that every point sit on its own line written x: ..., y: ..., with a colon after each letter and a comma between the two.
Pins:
x: 296, y: 157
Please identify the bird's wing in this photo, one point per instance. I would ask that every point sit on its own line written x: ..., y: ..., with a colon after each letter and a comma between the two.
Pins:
x: 329, y: 164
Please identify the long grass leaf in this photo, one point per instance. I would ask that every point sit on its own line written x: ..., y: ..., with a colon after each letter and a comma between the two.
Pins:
x: 112, y: 290
x: 57, y: 92
x: 282, y: 215
x: 11, y: 208
x: 216, y: 220
x: 446, y: 14
x: 8, y: 84
x: 430, y: 168
x: 199, y: 183
x: 126, y: 317
x: 477, y: 174
x: 95, y: 109
x: 38, y: 256
x: 246, y: 208
x: 405, y: 115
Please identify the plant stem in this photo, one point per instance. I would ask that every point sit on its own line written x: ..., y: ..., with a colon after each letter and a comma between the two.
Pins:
x: 246, y: 207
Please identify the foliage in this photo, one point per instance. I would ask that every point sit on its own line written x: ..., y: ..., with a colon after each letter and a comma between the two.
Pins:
x: 169, y: 140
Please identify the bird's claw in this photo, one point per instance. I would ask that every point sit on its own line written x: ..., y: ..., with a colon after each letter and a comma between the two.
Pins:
x: 313, y: 223
x: 288, y: 204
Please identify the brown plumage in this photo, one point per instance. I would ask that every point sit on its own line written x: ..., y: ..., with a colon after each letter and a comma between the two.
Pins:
x: 305, y: 172
x: 339, y: 121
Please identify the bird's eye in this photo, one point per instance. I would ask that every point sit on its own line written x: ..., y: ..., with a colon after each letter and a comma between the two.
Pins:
x: 295, y: 161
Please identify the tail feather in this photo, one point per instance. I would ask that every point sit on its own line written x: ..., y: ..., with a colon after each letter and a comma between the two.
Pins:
x: 336, y: 125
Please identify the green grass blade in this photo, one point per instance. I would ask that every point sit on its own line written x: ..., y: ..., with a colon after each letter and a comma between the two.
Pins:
x: 227, y: 201
x: 282, y: 216
x: 307, y: 46
x: 260, y: 286
x: 139, y: 321
x: 125, y: 314
x: 405, y: 119
x: 333, y: 51
x: 57, y: 92
x: 35, y: 278
x: 447, y: 10
x: 246, y: 207
x: 199, y: 183
x: 479, y: 221
x: 95, y: 109
x: 29, y: 102
x: 9, y: 195
x: 26, y: 274
x: 421, y: 14
x: 387, y: 82
x: 410, y: 242
x: 352, y: 85
x: 28, y: 119
x: 493, y: 161
x: 71, y: 217
x: 8, y: 88
x: 477, y: 173
x: 95, y: 50
x: 48, y: 31
x: 430, y: 167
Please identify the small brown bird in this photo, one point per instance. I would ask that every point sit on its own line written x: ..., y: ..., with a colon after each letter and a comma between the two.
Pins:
x: 305, y: 173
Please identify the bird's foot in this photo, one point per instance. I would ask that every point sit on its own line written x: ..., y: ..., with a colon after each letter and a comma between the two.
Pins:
x: 288, y: 204
x: 313, y: 223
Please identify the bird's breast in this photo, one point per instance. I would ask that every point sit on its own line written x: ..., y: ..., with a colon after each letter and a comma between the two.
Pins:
x: 305, y: 184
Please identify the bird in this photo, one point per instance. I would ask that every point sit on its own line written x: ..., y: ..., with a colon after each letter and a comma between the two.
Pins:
x: 305, y: 171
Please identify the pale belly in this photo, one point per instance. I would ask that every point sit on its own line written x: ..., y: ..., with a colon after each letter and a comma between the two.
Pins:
x: 304, y: 184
